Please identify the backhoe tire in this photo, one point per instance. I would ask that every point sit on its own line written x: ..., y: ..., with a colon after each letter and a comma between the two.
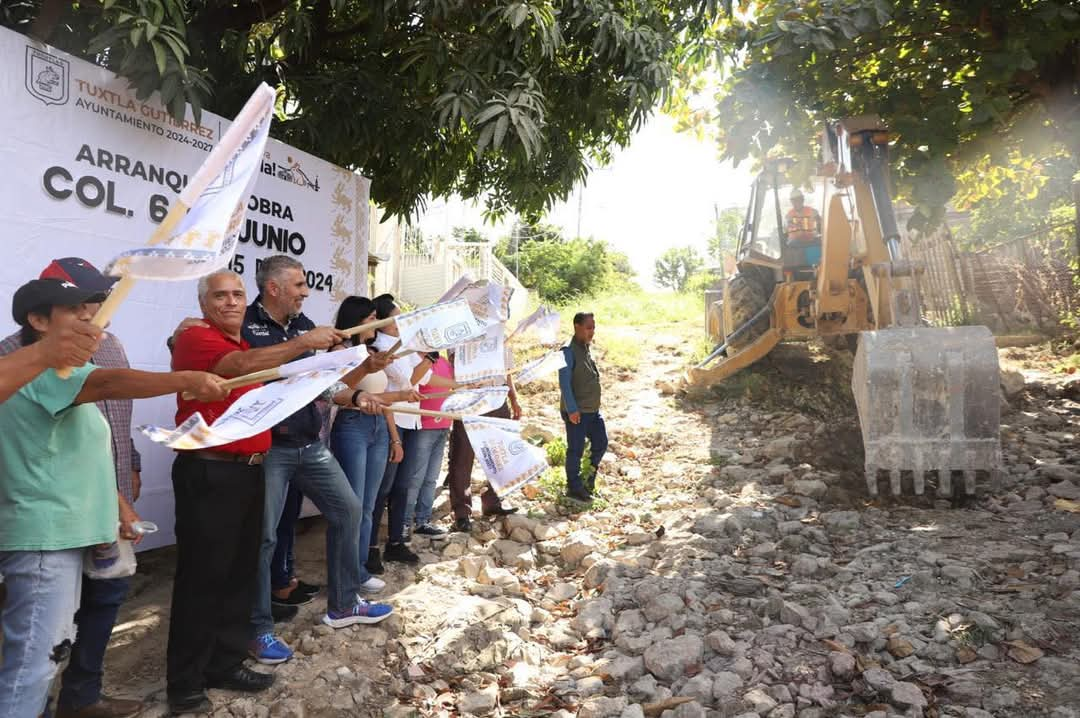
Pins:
x: 748, y: 294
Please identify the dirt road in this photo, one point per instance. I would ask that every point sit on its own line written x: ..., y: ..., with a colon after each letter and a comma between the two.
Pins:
x: 733, y: 567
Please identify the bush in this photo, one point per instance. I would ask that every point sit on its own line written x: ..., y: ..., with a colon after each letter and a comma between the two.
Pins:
x: 556, y: 452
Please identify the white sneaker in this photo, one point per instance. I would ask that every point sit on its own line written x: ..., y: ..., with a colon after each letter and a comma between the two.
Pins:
x: 372, y: 585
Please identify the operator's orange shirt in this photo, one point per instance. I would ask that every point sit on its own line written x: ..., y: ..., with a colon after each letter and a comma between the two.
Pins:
x: 803, y: 225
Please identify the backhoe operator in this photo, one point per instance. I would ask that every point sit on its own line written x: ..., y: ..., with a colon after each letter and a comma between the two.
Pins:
x: 803, y: 224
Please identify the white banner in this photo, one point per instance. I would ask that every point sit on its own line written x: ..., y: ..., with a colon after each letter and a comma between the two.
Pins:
x: 541, y: 326
x: 509, y: 462
x: 475, y: 401
x: 204, y: 240
x: 489, y: 302
x: 437, y: 327
x: 256, y: 411
x: 89, y: 171
x: 482, y: 359
x: 547, y: 364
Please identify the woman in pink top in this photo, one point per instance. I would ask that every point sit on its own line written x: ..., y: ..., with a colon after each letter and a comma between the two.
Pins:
x: 423, y: 460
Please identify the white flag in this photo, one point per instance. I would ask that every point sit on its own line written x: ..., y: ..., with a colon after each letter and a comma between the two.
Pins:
x: 509, y: 461
x: 438, y: 327
x: 475, y: 401
x: 205, y: 239
x: 256, y: 411
x: 489, y: 302
x: 542, y: 325
x: 326, y: 360
x: 481, y: 359
x: 455, y: 291
x: 550, y: 362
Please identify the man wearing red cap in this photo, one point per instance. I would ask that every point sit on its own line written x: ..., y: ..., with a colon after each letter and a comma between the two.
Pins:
x: 80, y: 693
x: 58, y: 495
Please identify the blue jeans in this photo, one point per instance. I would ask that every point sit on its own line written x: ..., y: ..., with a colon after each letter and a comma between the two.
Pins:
x: 420, y: 471
x: 80, y: 685
x: 282, y: 566
x: 393, y: 493
x: 361, y: 444
x: 590, y: 427
x: 316, y: 473
x: 37, y: 620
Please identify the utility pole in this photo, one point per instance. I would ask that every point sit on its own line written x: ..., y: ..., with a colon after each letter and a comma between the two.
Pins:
x: 580, y: 196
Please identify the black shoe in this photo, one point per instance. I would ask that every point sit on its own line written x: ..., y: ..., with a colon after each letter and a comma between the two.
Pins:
x: 190, y: 702
x: 308, y: 588
x: 242, y: 679
x: 583, y: 497
x: 430, y: 530
x: 463, y: 525
x: 400, y: 552
x: 282, y: 613
x: 295, y: 598
x: 500, y: 511
x: 374, y: 563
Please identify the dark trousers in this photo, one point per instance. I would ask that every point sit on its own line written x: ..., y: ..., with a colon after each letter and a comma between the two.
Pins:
x: 282, y: 566
x: 393, y: 497
x: 81, y: 682
x: 219, y: 509
x: 590, y: 427
x: 459, y: 473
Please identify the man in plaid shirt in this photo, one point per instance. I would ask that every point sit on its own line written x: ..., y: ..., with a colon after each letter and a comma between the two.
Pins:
x: 80, y: 692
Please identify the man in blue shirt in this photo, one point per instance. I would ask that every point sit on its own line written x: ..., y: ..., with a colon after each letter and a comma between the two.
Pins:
x: 298, y: 459
x: 579, y: 404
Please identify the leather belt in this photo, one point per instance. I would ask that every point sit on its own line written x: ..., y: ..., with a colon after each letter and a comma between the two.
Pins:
x: 249, y: 459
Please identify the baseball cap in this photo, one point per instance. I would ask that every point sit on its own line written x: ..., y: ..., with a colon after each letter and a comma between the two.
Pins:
x: 50, y: 293
x: 79, y: 272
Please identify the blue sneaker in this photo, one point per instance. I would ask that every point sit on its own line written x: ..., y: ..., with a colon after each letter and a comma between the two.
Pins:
x: 270, y: 650
x: 361, y: 612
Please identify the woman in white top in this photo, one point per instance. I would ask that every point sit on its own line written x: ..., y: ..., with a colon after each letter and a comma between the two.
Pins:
x: 403, y: 374
x: 363, y: 436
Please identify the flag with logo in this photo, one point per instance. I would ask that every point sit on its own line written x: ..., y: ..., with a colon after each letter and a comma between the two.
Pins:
x: 541, y: 326
x: 481, y: 359
x: 509, y: 462
x: 456, y: 289
x: 475, y: 401
x: 187, y: 246
x: 542, y: 366
x: 438, y: 327
x: 261, y: 409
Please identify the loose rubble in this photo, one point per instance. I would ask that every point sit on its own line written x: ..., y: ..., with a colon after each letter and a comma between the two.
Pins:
x: 735, y: 570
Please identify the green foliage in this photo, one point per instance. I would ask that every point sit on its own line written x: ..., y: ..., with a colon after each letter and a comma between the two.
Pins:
x: 556, y: 451
x: 1025, y: 196
x: 675, y: 266
x: 725, y: 238
x: 468, y: 234
x: 510, y: 100
x: 951, y: 78
x: 560, y: 269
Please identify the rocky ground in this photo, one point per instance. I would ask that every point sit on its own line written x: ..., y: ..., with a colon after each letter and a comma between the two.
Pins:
x: 733, y: 568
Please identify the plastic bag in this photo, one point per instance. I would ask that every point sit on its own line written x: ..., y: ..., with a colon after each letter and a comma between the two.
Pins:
x: 115, y: 560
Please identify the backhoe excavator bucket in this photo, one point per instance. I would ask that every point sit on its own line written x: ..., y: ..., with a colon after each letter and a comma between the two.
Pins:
x: 928, y: 401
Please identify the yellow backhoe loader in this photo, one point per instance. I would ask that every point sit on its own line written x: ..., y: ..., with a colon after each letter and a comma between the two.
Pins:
x: 830, y: 266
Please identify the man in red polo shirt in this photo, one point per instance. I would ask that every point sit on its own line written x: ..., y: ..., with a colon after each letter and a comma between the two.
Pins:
x: 219, y: 507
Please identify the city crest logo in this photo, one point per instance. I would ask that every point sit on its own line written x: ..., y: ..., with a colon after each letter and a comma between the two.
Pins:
x: 47, y: 76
